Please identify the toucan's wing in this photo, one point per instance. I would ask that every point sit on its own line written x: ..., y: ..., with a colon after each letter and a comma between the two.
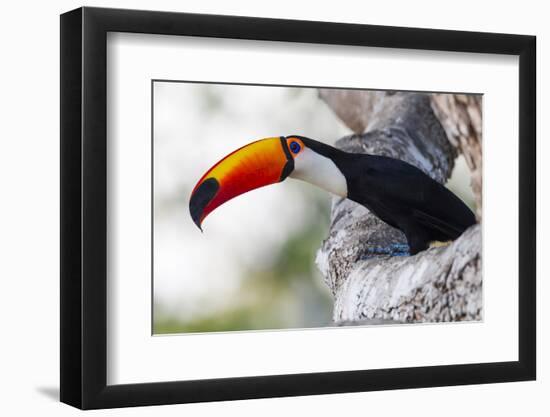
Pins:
x: 450, y: 229
x: 428, y: 202
x: 444, y: 211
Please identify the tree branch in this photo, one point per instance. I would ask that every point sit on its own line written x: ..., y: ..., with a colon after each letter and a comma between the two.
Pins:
x: 460, y: 115
x: 361, y: 259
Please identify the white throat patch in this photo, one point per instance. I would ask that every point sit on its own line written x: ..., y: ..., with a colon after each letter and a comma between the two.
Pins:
x: 321, y: 171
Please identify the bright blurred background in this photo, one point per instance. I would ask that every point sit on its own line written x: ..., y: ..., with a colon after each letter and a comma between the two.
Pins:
x: 253, y: 267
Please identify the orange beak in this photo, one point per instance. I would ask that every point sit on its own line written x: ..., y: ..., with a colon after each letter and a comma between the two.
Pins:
x: 260, y: 163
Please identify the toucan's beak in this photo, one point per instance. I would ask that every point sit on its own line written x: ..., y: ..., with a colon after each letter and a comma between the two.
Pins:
x: 255, y: 165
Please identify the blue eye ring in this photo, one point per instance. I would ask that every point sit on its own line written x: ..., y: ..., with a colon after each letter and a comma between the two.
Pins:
x: 295, y: 147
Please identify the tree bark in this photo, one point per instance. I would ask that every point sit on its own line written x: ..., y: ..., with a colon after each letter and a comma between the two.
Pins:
x: 362, y: 259
x: 460, y: 115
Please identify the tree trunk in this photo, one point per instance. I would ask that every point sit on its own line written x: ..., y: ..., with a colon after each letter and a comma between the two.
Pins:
x: 362, y: 258
x: 460, y: 115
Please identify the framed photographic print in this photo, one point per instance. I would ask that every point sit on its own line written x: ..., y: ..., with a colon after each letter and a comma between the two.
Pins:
x: 258, y: 207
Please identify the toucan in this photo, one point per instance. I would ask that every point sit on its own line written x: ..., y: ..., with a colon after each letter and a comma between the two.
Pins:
x: 398, y: 193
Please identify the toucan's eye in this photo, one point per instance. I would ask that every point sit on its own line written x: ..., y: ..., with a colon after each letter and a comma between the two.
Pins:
x: 295, y: 147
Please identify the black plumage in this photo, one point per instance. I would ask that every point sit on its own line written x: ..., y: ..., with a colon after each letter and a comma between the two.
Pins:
x: 401, y: 195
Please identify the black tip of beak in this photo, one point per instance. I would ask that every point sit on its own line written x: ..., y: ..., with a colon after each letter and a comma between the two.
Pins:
x: 200, y: 199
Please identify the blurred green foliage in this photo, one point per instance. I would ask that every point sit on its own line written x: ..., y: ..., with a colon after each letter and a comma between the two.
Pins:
x: 288, y: 292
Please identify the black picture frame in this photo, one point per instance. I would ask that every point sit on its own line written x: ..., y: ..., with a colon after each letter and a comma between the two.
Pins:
x: 84, y: 207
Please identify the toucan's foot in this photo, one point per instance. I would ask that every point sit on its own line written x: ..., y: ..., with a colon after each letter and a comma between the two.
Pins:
x: 394, y: 249
x: 438, y: 244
